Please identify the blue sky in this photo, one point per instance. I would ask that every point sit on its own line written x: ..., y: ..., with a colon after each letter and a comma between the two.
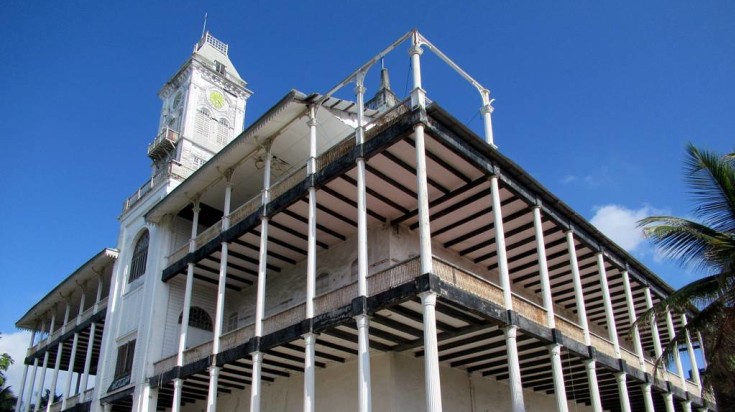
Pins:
x: 595, y: 99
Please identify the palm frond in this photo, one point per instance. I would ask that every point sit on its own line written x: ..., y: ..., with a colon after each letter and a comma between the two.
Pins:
x: 688, y: 242
x: 711, y: 179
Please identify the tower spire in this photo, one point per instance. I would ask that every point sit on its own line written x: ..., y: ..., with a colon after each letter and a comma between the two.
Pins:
x: 204, y: 24
x: 384, y: 98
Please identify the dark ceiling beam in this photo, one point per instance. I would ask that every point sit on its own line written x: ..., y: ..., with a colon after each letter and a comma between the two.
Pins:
x: 344, y: 199
x: 319, y: 226
x: 395, y: 159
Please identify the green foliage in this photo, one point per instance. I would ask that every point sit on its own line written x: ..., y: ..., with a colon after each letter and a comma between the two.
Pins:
x: 7, y: 399
x: 707, y: 243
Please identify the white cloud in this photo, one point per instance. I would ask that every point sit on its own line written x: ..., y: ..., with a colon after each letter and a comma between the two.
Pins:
x: 588, y: 181
x: 621, y: 224
x: 15, y: 345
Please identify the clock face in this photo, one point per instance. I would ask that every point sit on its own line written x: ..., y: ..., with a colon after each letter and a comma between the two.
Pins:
x: 216, y: 99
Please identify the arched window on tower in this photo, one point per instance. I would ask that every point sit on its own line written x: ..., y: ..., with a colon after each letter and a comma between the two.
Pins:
x: 223, y: 132
x: 140, y: 257
x: 201, y: 123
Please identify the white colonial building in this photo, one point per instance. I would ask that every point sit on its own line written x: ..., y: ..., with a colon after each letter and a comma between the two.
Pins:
x: 370, y: 255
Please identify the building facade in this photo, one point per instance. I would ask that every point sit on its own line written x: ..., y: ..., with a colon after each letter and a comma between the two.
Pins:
x: 366, y: 254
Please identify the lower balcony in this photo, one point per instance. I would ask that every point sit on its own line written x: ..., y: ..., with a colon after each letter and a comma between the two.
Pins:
x: 470, y: 322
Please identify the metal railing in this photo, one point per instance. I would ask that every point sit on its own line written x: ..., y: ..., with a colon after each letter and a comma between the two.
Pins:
x: 174, y: 170
x: 88, y: 313
x: 167, y: 137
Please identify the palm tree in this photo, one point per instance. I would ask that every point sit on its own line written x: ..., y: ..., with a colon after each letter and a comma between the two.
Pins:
x: 706, y: 243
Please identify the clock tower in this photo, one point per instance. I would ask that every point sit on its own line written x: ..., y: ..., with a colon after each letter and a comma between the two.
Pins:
x: 203, y: 110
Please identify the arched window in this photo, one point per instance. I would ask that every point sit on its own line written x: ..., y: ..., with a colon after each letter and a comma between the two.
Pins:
x: 198, y: 318
x: 201, y: 122
x: 140, y: 257
x: 322, y: 283
x: 223, y: 132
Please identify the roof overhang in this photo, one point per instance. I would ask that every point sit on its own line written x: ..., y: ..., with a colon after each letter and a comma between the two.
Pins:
x: 91, y: 270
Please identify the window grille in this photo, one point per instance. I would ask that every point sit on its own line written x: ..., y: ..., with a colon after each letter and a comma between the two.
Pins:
x: 125, y: 356
x: 223, y: 132
x: 140, y: 258
x: 198, y: 318
x: 201, y: 123
x: 232, y: 322
x: 219, y: 67
x: 198, y: 161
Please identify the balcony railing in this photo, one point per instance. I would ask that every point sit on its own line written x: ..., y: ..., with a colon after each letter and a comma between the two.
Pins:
x: 163, y: 144
x: 102, y: 306
x: 173, y: 170
x: 402, y: 273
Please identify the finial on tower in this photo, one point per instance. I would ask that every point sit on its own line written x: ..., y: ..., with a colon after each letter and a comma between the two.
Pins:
x: 204, y: 24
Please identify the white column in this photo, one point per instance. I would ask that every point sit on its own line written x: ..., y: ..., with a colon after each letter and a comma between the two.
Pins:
x: 632, y: 317
x: 431, y: 354
x: 647, y: 397
x: 487, y: 110
x: 363, y: 353
x: 310, y: 338
x: 179, y: 383
x: 257, y: 356
x: 609, y: 315
x: 677, y: 355
x: 19, y: 400
x: 514, y: 368
x: 623, y: 392
x: 29, y: 400
x: 57, y: 364
x: 590, y: 366
x: 654, y: 327
x: 668, y: 397
x: 701, y: 349
x: 45, y: 363
x: 255, y: 388
x: 418, y: 96
x: 309, y: 366
x: 422, y: 192
x: 220, y: 305
x: 582, y: 313
x: 543, y: 266
x: 578, y: 292
x: 669, y: 402
x: 686, y: 406
x: 500, y: 244
x: 364, y: 391
x: 70, y: 371
x: 90, y: 341
x: 692, y: 356
x: 560, y: 394
x: 72, y: 360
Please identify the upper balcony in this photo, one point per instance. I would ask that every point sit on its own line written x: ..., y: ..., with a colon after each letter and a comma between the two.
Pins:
x: 163, y: 144
x: 173, y: 169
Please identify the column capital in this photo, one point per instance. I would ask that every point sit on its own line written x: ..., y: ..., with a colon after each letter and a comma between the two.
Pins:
x: 428, y: 298
x: 415, y: 49
x: 362, y: 320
